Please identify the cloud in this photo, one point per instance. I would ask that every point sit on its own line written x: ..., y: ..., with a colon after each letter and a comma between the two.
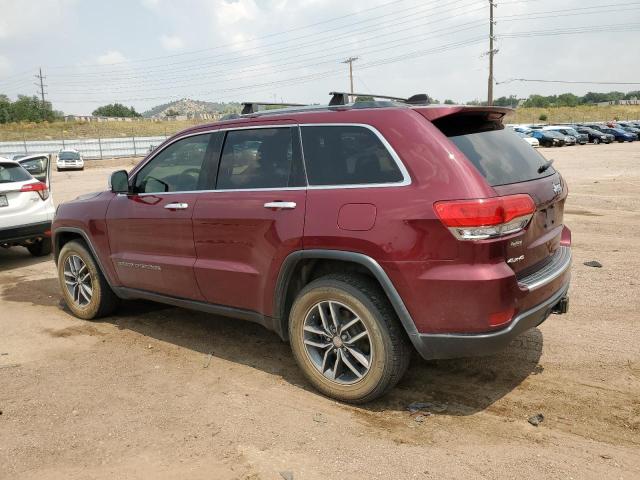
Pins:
x: 171, y: 43
x: 151, y: 4
x: 5, y: 66
x: 111, y: 57
x: 28, y: 19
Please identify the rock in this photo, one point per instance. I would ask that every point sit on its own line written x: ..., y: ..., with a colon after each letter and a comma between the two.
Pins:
x: 319, y: 418
x: 605, y: 456
x: 75, y: 412
x: 593, y: 263
x: 536, y: 420
x: 421, y: 418
x: 436, y: 407
x: 287, y: 475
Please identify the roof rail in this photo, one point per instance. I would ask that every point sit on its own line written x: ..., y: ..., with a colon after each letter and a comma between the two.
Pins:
x: 252, y: 107
x: 342, y: 98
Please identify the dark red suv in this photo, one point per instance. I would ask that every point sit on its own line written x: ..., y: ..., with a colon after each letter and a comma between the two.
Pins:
x: 355, y: 231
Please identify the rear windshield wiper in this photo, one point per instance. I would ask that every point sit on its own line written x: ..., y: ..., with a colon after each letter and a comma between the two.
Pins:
x: 545, y: 167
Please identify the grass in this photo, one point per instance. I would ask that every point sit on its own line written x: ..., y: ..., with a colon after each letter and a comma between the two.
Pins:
x: 576, y: 114
x: 148, y: 128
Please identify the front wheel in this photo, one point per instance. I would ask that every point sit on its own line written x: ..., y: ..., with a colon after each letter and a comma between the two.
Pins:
x: 347, y: 339
x: 596, y: 141
x: 84, y: 288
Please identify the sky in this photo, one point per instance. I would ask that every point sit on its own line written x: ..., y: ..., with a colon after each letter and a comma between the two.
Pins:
x: 147, y: 52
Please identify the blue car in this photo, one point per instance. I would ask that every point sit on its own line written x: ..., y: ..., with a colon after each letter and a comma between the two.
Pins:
x: 621, y: 135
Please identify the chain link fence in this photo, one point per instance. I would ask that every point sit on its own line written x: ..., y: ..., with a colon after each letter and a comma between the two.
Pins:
x: 94, y: 140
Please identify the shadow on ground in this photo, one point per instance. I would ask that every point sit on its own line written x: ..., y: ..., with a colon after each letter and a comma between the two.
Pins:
x: 465, y: 386
x: 16, y: 257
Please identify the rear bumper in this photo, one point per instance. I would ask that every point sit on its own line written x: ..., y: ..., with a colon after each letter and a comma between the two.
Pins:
x: 435, y: 346
x: 25, y: 232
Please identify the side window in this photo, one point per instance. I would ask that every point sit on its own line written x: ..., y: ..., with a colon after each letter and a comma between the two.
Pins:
x: 260, y: 158
x: 176, y: 169
x: 347, y: 155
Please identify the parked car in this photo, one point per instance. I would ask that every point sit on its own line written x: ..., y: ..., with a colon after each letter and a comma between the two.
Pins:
x: 621, y: 135
x: 529, y: 139
x: 355, y: 253
x: 596, y: 126
x: 18, y: 157
x: 578, y: 138
x: 549, y: 138
x: 595, y: 136
x: 630, y: 129
x: 69, y: 160
x: 26, y: 206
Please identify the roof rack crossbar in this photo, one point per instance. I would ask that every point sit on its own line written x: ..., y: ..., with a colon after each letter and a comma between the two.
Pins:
x: 342, y: 98
x: 252, y: 107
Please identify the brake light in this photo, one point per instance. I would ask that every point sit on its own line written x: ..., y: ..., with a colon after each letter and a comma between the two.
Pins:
x: 483, y: 218
x: 38, y: 187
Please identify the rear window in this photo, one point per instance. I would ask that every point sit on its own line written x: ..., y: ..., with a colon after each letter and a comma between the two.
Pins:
x: 347, y: 155
x: 501, y: 156
x: 69, y: 156
x: 13, y: 173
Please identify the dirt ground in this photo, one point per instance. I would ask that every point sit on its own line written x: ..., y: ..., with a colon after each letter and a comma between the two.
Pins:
x: 160, y: 392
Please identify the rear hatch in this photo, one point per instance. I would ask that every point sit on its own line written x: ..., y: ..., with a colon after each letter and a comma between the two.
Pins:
x: 511, y: 166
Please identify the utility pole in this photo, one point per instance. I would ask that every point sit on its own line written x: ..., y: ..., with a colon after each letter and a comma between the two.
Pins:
x: 491, y: 53
x: 350, y: 61
x: 41, y: 85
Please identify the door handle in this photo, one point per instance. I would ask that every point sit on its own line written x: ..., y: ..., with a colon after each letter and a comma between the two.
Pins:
x: 176, y: 206
x: 280, y: 205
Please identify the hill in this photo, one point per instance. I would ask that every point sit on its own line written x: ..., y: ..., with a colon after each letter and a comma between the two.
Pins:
x: 191, y: 108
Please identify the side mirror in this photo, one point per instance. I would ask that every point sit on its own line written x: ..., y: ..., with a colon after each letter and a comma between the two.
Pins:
x: 119, y: 182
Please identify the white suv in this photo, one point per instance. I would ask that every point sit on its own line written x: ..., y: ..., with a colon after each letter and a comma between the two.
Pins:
x: 26, y: 205
x: 69, y: 159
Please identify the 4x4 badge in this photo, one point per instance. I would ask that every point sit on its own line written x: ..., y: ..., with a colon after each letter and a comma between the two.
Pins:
x: 557, y: 188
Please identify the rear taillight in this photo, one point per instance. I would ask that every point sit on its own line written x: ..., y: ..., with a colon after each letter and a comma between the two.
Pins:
x: 484, y: 218
x: 38, y: 187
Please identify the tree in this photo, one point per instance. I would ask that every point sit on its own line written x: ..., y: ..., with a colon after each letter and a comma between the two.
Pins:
x: 116, y: 110
x: 568, y: 100
x: 171, y: 113
x: 543, y: 117
x: 449, y: 102
x: 510, y: 101
x: 5, y: 109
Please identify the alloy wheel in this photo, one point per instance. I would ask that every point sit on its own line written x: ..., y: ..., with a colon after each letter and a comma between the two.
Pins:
x: 337, y: 342
x: 77, y: 279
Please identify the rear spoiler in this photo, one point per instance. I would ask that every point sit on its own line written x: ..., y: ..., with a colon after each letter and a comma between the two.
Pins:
x: 436, y: 112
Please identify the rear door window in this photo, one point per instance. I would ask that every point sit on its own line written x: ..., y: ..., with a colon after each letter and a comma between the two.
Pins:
x: 497, y: 152
x: 10, y: 172
x: 347, y: 155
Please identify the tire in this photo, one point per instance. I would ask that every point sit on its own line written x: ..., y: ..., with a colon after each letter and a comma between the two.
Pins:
x: 102, y: 301
x: 41, y: 248
x: 389, y: 350
x: 596, y: 141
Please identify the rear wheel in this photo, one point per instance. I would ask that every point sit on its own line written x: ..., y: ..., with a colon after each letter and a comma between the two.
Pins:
x: 40, y: 248
x: 346, y: 338
x: 84, y: 288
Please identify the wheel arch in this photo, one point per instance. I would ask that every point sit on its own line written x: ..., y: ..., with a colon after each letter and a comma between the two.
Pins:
x: 303, y: 266
x: 64, y: 235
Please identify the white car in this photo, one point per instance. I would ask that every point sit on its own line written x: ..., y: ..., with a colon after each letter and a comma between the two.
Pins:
x: 69, y: 159
x: 26, y: 205
x: 530, y: 140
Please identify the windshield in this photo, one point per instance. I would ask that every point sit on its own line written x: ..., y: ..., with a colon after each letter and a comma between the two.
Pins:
x: 69, y: 156
x: 570, y: 131
x: 10, y: 172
